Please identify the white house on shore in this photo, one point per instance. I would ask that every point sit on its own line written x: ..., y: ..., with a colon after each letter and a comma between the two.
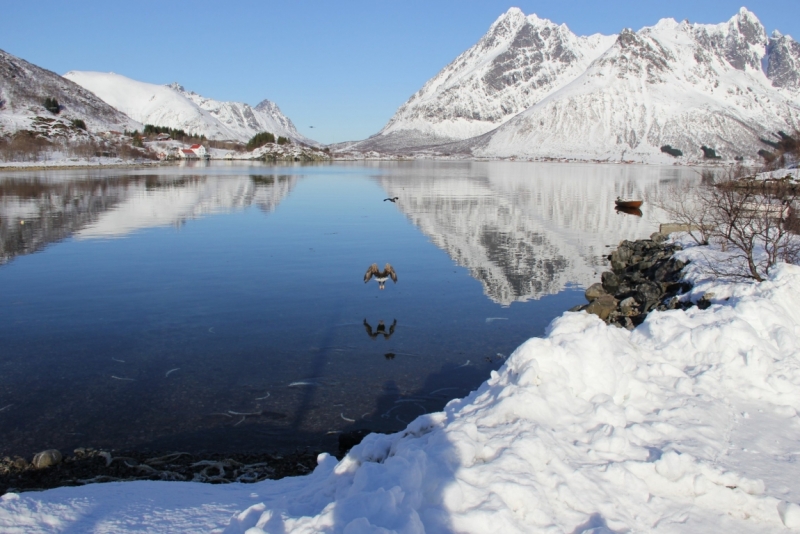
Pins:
x: 195, y: 152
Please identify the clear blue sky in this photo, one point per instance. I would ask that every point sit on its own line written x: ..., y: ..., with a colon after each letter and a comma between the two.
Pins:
x: 343, y: 67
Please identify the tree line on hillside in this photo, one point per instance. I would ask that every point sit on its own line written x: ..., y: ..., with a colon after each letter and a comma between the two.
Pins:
x: 262, y: 138
x: 175, y: 133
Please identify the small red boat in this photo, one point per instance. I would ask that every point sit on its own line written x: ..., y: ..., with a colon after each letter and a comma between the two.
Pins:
x: 628, y: 204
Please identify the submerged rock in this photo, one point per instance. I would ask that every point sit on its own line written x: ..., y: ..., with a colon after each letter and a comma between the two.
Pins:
x: 47, y: 458
x: 595, y: 291
x: 602, y: 306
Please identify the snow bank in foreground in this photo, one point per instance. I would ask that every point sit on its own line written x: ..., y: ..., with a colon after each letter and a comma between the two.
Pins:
x: 687, y: 424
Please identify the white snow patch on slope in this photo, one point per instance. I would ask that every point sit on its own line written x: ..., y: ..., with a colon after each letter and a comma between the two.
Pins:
x: 687, y: 424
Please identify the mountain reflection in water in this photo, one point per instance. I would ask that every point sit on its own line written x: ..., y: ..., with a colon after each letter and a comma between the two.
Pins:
x: 150, y: 309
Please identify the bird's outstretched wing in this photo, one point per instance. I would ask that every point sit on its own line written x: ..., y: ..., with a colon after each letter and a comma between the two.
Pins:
x: 389, y: 270
x: 373, y: 270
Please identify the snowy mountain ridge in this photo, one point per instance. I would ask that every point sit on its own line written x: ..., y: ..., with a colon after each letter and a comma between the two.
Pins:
x: 173, y: 106
x: 519, y: 61
x: 608, y: 98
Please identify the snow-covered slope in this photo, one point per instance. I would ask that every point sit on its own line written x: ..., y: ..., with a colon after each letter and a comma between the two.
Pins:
x: 678, y: 84
x: 173, y: 106
x: 517, y: 63
x: 24, y: 87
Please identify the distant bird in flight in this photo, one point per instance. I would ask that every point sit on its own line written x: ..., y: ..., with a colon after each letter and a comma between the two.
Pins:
x: 310, y: 126
x: 392, y: 199
x: 380, y: 276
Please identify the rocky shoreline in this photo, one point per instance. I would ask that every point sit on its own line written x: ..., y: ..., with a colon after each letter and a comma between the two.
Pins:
x: 644, y: 276
x: 50, y: 470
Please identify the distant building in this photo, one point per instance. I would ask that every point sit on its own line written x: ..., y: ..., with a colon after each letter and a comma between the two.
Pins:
x: 163, y: 137
x: 195, y: 152
x: 200, y: 150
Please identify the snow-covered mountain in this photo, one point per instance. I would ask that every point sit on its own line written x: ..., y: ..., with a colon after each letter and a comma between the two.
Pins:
x: 607, y: 98
x: 678, y: 84
x: 24, y: 88
x: 517, y: 63
x: 175, y: 107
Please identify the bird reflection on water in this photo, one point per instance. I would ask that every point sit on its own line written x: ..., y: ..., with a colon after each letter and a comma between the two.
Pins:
x: 380, y: 276
x: 380, y: 329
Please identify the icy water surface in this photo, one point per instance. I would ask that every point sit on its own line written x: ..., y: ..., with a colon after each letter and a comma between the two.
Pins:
x: 223, y: 307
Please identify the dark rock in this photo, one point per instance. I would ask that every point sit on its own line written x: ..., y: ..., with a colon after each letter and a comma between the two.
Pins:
x: 618, y: 266
x: 602, y: 306
x: 595, y: 291
x: 648, y: 291
x: 47, y: 458
x: 348, y: 440
x: 19, y: 462
x: 644, y: 277
x: 610, y: 282
x: 578, y: 308
x: 705, y: 301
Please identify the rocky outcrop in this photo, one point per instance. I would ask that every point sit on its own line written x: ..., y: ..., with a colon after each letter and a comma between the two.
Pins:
x: 644, y: 277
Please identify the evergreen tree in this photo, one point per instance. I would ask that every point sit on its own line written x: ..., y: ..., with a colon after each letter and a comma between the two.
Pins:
x: 51, y: 105
x: 260, y: 139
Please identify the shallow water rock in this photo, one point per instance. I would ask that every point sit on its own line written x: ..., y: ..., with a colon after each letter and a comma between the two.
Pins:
x: 595, y: 291
x: 602, y: 306
x: 47, y: 458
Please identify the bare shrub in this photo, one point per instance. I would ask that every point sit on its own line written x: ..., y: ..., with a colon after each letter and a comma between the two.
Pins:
x: 126, y: 151
x: 683, y: 203
x: 753, y: 224
x: 25, y: 146
x: 84, y: 149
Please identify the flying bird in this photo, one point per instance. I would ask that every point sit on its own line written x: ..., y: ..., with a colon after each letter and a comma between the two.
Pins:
x: 380, y: 276
x: 392, y: 199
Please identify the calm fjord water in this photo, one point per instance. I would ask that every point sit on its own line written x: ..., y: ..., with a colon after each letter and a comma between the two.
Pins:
x: 223, y: 307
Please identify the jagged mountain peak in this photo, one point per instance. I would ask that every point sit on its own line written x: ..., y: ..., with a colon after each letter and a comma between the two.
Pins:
x: 783, y: 62
x: 518, y: 62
